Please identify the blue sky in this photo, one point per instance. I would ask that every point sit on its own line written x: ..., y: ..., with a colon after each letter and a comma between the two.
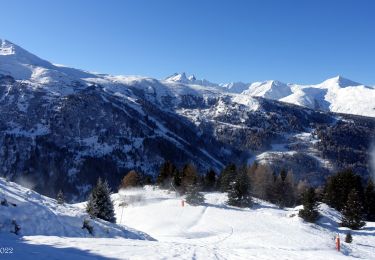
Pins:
x: 293, y: 41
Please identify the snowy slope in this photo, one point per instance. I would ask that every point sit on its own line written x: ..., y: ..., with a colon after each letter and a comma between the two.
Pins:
x: 40, y: 215
x: 210, y: 231
x: 216, y: 230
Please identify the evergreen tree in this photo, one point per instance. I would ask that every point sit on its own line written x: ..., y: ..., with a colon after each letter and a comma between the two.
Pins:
x: 348, y: 238
x: 239, y: 192
x: 193, y: 196
x: 177, y: 177
x: 60, y: 197
x: 352, y: 211
x: 210, y: 180
x: 100, y: 204
x: 166, y: 173
x: 339, y: 186
x: 370, y: 201
x: 302, y: 187
x: 227, y: 176
x: 310, y: 206
x: 283, y: 190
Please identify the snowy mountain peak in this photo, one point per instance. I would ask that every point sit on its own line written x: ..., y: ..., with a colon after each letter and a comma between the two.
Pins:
x: 12, y: 55
x: 271, y: 89
x: 341, y: 82
x: 178, y: 77
x: 192, y: 78
x: 182, y: 78
x: 7, y: 48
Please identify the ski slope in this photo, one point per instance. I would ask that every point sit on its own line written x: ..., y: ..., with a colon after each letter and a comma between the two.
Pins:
x: 211, y: 231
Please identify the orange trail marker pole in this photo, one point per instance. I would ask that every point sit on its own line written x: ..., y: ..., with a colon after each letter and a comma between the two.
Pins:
x: 338, y: 242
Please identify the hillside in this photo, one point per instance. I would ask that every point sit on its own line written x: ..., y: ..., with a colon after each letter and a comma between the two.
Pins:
x: 62, y: 128
x: 211, y: 231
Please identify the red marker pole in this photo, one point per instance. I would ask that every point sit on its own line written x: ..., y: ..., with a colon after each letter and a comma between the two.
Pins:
x: 338, y: 242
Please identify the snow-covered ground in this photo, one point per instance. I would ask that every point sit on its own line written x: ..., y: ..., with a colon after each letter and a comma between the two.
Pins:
x: 210, y: 231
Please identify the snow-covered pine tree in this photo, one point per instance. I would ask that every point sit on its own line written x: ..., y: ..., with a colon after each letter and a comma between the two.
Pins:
x: 60, y: 197
x: 227, y: 176
x: 370, y: 201
x: 352, y: 213
x: 310, y: 206
x: 100, y: 204
x: 239, y: 192
x: 193, y: 196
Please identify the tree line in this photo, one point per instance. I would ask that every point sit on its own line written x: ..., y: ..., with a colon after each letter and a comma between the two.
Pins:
x: 344, y: 191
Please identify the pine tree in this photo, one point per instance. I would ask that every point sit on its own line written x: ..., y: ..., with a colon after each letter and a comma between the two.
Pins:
x: 310, y: 206
x: 370, y: 201
x: 177, y: 178
x: 283, y: 190
x: 227, y: 176
x: 60, y: 197
x: 302, y: 187
x: 193, y: 196
x: 239, y: 192
x: 210, y: 180
x: 352, y: 211
x: 100, y: 204
x: 339, y: 186
x: 166, y: 173
x: 348, y: 238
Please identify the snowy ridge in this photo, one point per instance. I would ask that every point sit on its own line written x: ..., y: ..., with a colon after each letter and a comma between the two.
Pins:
x: 40, y: 215
x: 337, y: 94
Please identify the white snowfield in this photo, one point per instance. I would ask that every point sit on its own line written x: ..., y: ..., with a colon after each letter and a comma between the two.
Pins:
x: 210, y: 231
x: 336, y: 94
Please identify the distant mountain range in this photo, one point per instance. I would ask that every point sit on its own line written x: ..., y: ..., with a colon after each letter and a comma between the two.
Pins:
x: 64, y: 127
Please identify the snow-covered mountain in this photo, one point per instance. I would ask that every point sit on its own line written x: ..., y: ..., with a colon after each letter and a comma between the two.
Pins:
x: 64, y: 127
x: 336, y: 95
